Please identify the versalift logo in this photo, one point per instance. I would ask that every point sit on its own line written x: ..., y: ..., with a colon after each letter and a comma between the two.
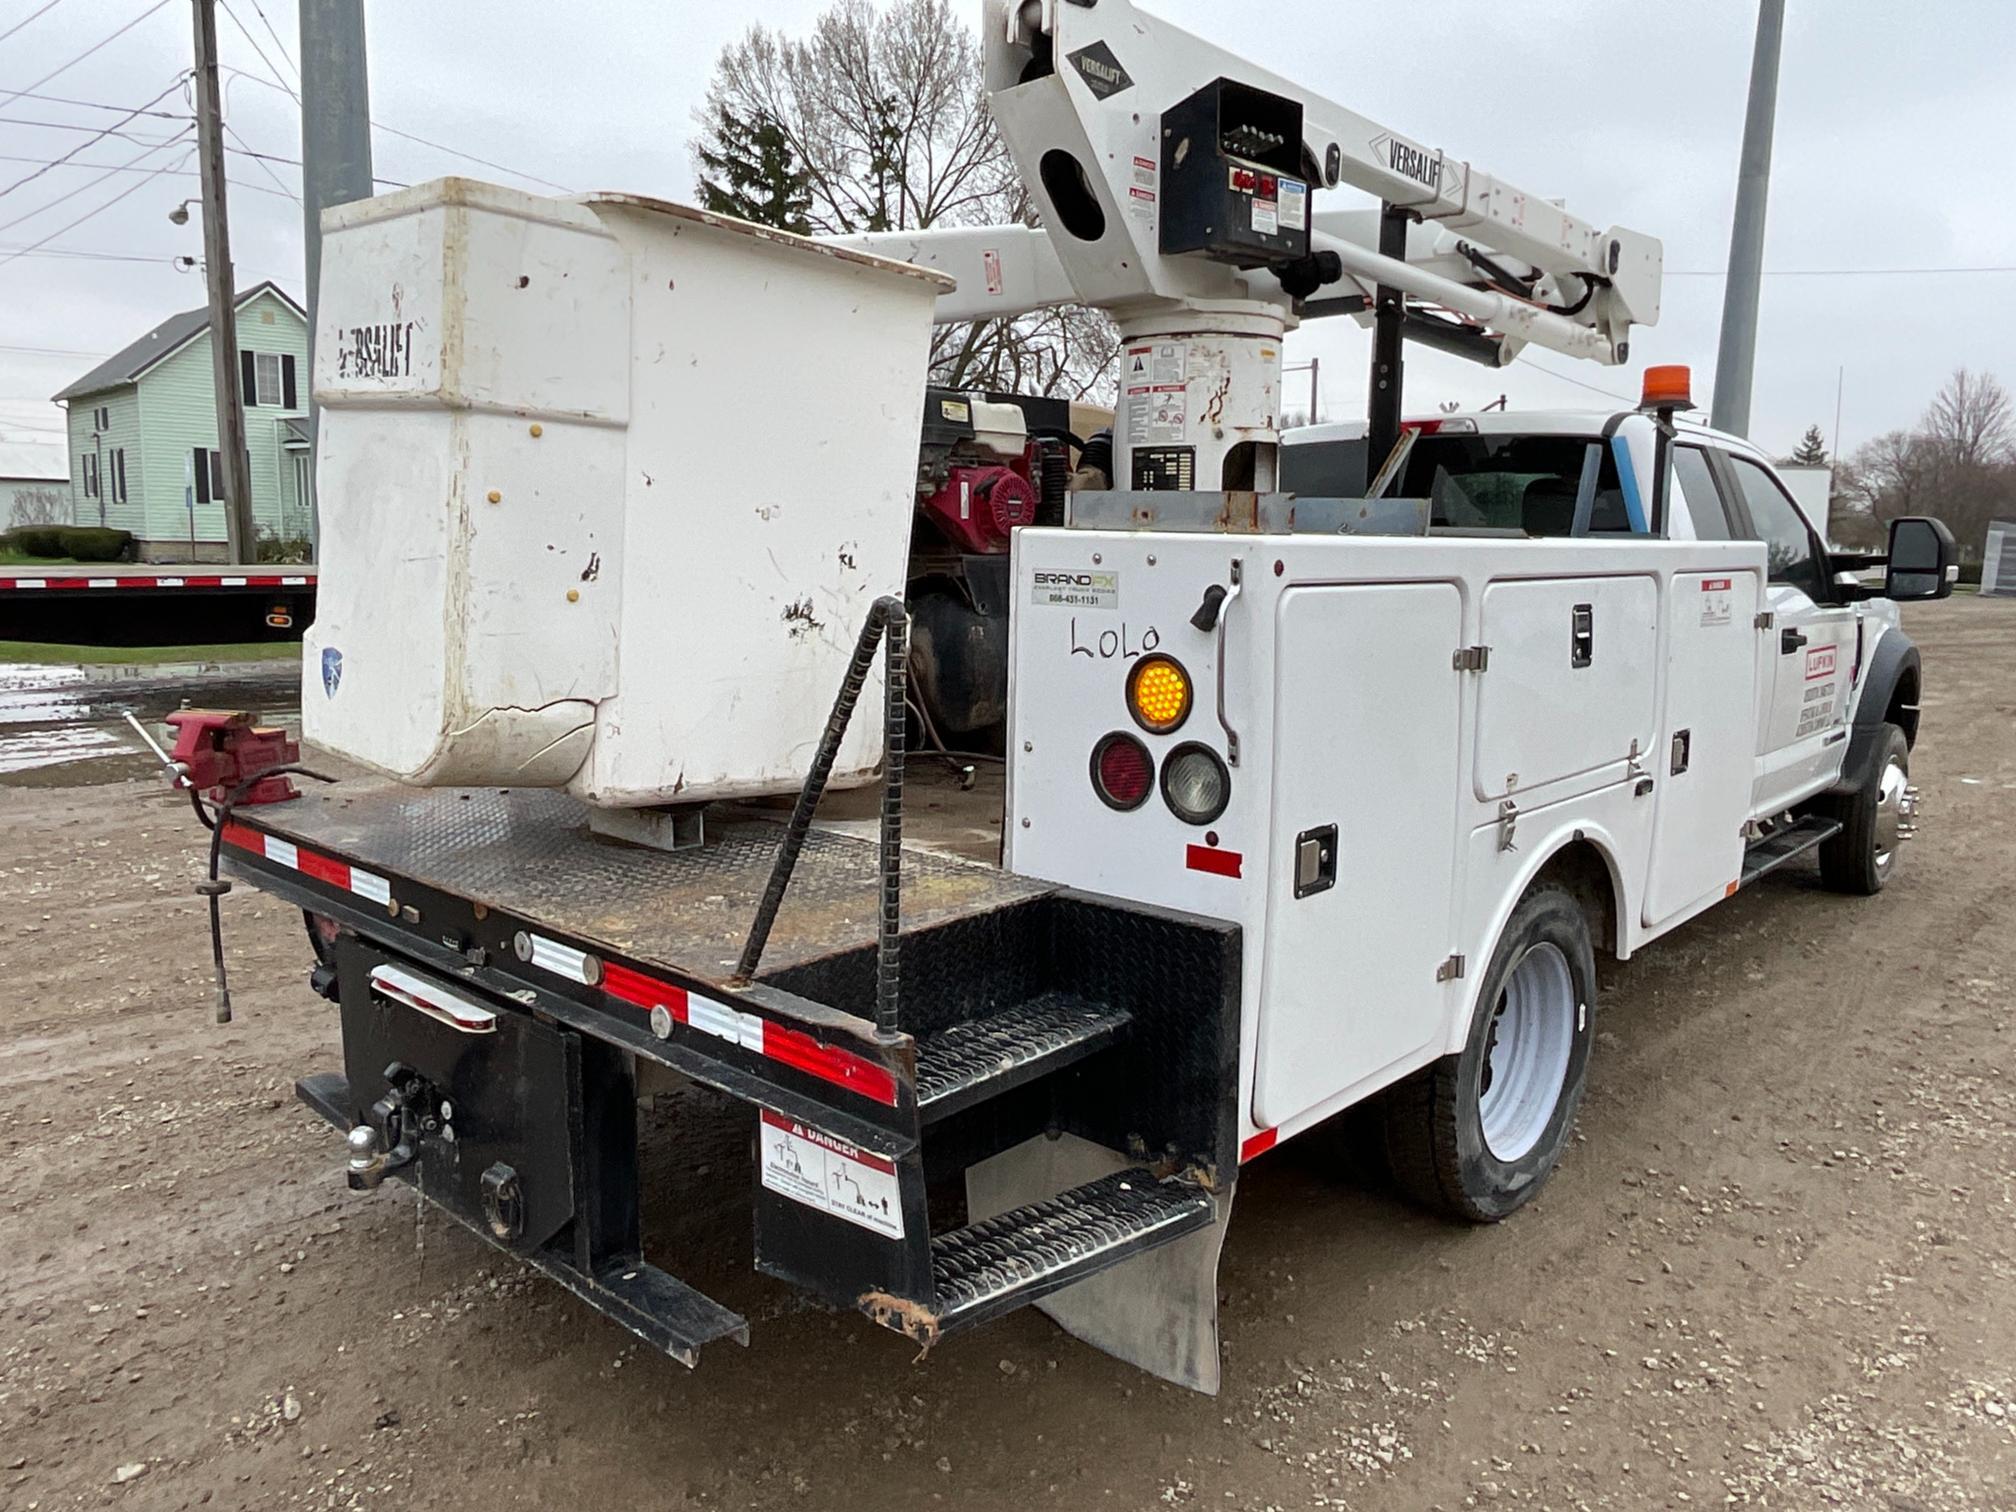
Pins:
x: 1409, y: 161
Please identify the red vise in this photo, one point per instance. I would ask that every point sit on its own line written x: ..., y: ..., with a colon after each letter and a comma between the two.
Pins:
x: 221, y: 752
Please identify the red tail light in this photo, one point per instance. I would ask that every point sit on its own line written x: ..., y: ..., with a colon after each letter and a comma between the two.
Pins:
x: 1123, y: 773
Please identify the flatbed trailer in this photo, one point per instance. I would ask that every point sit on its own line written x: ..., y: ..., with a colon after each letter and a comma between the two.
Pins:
x: 105, y: 603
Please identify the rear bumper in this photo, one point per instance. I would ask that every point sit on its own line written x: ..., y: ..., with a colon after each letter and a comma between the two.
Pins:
x: 516, y: 1112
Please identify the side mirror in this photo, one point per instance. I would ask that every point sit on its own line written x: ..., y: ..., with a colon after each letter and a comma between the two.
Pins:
x: 1921, y: 560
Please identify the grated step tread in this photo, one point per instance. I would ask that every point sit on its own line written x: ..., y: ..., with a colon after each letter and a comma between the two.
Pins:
x: 1002, y: 1262
x: 1788, y: 844
x: 968, y: 1062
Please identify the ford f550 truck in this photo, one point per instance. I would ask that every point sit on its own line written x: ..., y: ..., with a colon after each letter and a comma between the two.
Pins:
x: 1321, y: 789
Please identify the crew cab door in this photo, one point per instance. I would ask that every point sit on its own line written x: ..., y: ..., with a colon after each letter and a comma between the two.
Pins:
x: 1805, y: 655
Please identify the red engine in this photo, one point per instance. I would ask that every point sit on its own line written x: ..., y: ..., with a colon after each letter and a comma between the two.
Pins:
x: 979, y: 505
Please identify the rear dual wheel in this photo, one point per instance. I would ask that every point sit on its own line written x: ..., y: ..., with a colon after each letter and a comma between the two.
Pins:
x: 1478, y: 1133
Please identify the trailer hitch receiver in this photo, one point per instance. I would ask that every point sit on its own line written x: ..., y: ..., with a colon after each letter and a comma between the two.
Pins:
x: 389, y: 1137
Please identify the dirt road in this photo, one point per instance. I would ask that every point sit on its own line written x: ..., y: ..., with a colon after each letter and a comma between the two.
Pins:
x: 1779, y: 1267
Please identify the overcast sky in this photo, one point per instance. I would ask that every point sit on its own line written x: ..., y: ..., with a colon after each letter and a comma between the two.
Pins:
x: 1895, y: 125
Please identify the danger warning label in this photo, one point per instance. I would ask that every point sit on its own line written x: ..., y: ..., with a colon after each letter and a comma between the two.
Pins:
x: 812, y: 1167
x: 1716, y: 605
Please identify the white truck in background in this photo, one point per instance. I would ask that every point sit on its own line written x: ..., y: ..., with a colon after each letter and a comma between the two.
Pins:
x: 1320, y: 789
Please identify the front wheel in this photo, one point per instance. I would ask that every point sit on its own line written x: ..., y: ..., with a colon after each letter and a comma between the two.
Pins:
x: 1478, y: 1133
x: 1875, y: 823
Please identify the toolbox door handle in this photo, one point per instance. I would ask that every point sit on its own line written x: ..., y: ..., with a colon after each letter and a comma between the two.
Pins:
x: 1224, y: 614
x: 450, y: 1007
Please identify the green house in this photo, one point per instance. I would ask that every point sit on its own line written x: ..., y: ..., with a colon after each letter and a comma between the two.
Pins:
x: 143, y: 433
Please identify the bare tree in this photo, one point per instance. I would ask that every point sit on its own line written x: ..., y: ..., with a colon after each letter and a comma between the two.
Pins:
x: 1971, y: 420
x: 1959, y: 465
x: 884, y: 110
x: 40, y: 505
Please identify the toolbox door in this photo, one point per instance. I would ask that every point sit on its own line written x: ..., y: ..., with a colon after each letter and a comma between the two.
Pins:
x: 1368, y: 710
x: 1704, y: 765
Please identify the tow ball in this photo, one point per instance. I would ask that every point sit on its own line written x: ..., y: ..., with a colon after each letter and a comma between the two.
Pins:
x: 389, y: 1138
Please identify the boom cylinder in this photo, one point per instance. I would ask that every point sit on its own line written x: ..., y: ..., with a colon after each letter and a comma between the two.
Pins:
x: 1199, y: 398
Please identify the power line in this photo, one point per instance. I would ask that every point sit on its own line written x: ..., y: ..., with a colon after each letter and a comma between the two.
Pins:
x: 29, y: 17
x: 46, y: 205
x: 71, y: 253
x: 97, y: 137
x: 73, y: 126
x: 258, y: 157
x: 285, y: 56
x: 94, y: 47
x: 35, y: 351
x: 166, y: 115
x: 177, y: 173
x: 1838, y: 272
x: 1593, y: 388
x: 530, y: 178
x: 133, y: 188
x: 246, y: 32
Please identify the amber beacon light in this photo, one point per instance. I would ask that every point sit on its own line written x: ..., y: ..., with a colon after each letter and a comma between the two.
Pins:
x: 1668, y: 388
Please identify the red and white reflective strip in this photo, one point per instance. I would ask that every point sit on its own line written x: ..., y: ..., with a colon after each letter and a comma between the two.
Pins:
x: 778, y: 1042
x: 310, y: 863
x: 146, y: 580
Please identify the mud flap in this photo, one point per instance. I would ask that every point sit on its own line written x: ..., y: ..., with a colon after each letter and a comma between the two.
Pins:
x: 1157, y: 1311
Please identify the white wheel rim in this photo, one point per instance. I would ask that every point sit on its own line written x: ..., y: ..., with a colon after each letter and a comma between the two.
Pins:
x: 1526, y: 1062
x: 1896, y: 806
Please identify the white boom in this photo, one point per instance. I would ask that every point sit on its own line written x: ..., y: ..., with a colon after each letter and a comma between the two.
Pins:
x: 1088, y: 95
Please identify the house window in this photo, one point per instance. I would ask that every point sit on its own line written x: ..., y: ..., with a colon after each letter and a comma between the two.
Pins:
x: 119, y: 475
x: 267, y: 378
x: 90, y: 471
x: 207, y: 467
x: 101, y: 419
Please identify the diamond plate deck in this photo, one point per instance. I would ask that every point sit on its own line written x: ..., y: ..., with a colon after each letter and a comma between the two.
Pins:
x: 530, y: 854
x: 1003, y: 1262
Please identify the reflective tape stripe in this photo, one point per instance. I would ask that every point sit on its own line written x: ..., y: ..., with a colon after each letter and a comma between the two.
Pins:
x: 282, y: 852
x: 561, y: 960
x: 370, y: 885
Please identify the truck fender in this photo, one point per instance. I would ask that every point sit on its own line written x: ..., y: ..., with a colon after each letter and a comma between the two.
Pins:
x: 1587, y: 853
x: 1891, y: 678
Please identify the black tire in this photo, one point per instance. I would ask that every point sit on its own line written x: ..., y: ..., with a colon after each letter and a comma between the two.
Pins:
x: 1433, y: 1126
x: 1863, y: 857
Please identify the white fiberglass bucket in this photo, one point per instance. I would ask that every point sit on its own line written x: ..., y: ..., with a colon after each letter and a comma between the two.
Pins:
x: 607, y: 488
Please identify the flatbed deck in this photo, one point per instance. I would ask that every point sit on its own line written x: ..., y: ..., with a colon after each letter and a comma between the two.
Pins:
x: 529, y: 854
x: 168, y: 577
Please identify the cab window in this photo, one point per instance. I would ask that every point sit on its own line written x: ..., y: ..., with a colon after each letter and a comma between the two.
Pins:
x: 1793, y: 555
x: 1702, y: 498
x: 1512, y: 482
x: 1324, y: 469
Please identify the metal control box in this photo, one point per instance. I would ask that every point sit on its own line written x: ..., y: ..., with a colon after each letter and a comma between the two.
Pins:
x: 1233, y: 180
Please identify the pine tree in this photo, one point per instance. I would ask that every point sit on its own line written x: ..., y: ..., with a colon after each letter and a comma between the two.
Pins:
x: 1812, y: 449
x: 749, y: 170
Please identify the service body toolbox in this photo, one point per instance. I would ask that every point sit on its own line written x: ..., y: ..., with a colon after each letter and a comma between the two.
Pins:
x: 501, y: 971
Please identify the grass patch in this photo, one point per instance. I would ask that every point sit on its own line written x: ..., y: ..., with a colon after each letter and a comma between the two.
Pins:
x: 146, y: 656
x: 10, y: 558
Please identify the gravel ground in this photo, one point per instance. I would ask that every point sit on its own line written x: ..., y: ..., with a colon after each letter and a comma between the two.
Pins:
x: 1778, y: 1268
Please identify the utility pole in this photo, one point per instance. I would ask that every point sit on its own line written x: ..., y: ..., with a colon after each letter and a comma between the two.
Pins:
x: 1737, y: 355
x: 243, y: 538
x: 335, y: 146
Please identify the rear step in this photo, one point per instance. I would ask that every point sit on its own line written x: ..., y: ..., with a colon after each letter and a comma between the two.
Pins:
x: 1787, y: 844
x: 968, y: 1063
x: 1000, y: 1263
